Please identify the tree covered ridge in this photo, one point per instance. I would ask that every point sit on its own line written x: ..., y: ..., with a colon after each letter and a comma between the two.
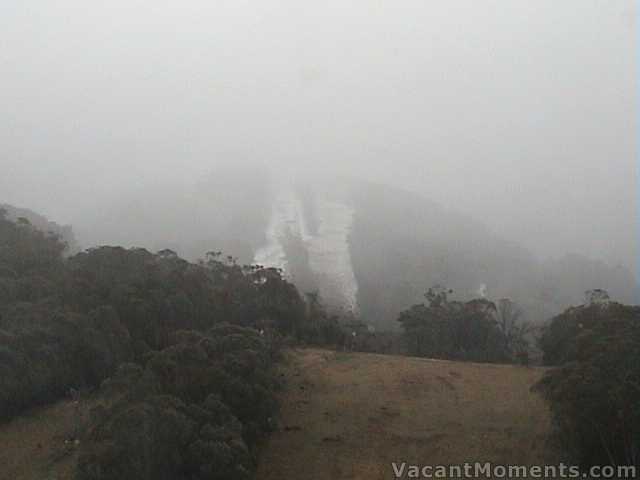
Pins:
x: 477, y: 330
x: 179, y: 339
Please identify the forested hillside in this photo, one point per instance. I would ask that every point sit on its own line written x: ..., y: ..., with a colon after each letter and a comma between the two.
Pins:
x: 402, y: 244
x: 64, y: 232
x: 399, y: 243
x: 188, y: 349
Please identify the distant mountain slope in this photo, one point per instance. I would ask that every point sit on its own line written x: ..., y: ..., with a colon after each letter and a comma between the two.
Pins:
x: 369, y: 248
x: 225, y: 211
x: 308, y: 237
x: 402, y: 244
x: 65, y: 232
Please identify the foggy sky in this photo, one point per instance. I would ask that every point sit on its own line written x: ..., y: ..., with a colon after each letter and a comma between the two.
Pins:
x: 521, y: 113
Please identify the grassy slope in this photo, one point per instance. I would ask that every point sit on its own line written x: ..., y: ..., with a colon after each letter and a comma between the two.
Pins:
x: 35, y: 446
x: 349, y: 415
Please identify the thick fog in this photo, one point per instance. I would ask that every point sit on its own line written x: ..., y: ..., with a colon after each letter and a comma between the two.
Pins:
x: 519, y: 113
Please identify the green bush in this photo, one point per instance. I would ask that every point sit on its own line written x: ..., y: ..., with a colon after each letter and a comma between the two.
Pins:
x: 454, y: 330
x: 595, y: 393
x: 55, y: 351
x: 195, y: 411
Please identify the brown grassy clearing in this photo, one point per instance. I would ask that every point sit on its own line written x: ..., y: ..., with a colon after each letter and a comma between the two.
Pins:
x: 349, y: 415
x: 37, y: 445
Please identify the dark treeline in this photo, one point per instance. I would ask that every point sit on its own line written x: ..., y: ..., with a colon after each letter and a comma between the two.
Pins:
x: 191, y: 346
x: 478, y: 330
x: 594, y: 391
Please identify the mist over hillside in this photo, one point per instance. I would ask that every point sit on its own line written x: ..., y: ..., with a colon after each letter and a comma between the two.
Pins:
x: 226, y: 210
x: 42, y: 223
x: 209, y: 210
x: 366, y: 248
x: 402, y: 244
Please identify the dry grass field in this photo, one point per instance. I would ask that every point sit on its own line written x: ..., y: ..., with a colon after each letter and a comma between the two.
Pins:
x: 349, y: 415
x: 36, y: 446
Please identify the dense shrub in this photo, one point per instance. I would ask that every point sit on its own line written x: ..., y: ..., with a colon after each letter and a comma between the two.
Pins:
x: 320, y: 327
x: 162, y: 437
x: 184, y: 351
x: 595, y: 393
x: 559, y: 339
x: 53, y: 351
x: 69, y: 322
x: 454, y: 330
x: 194, y: 411
x: 157, y: 294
